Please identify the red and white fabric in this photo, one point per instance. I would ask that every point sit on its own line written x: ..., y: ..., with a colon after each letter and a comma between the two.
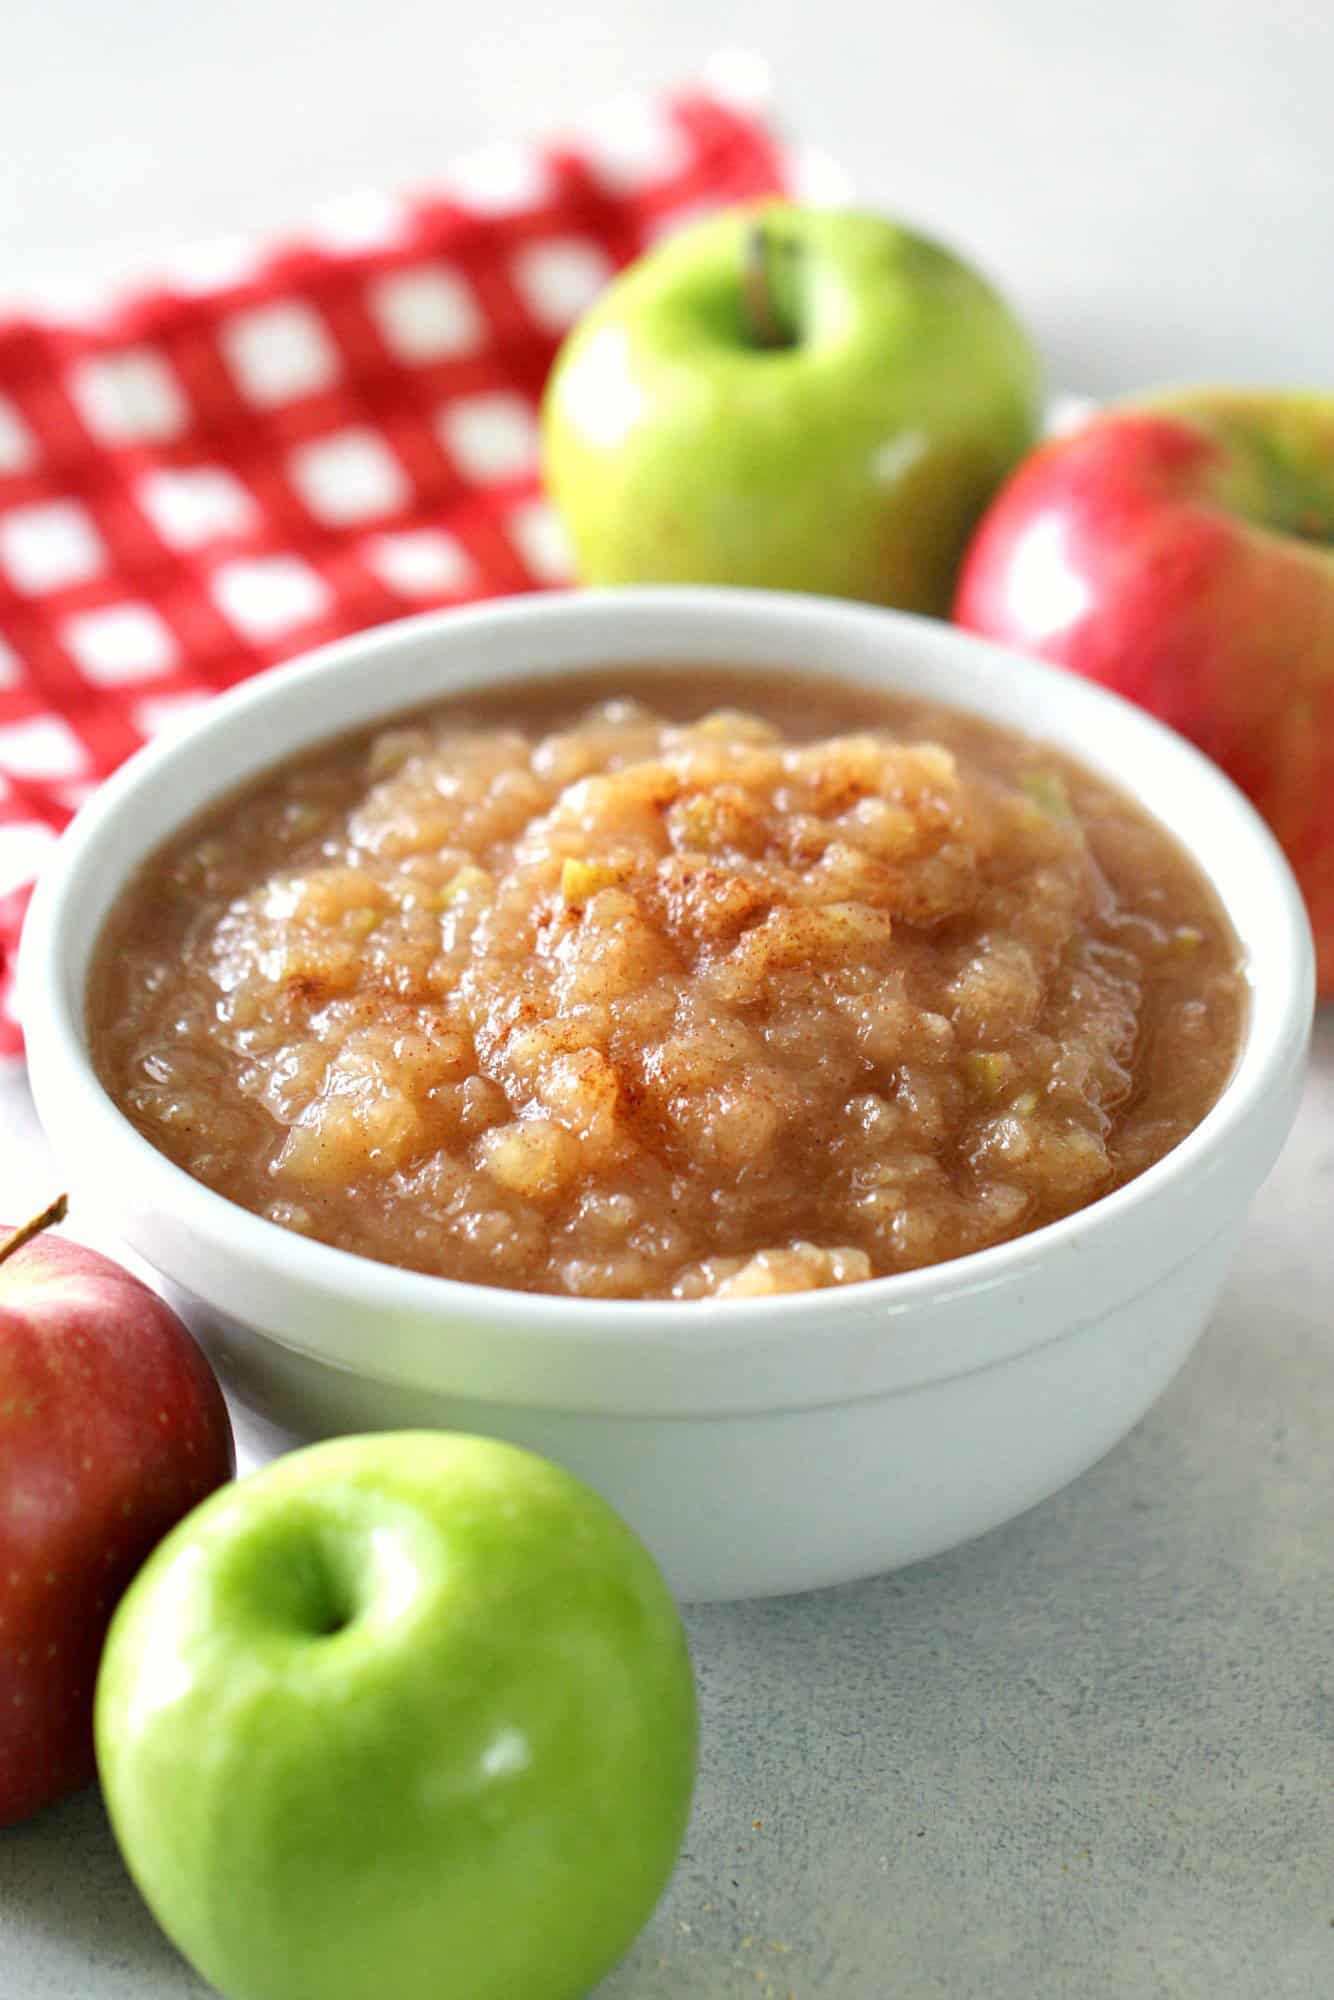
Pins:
x: 270, y: 446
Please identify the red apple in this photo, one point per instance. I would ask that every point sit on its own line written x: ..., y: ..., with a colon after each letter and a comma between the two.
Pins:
x: 111, y: 1428
x: 1181, y: 551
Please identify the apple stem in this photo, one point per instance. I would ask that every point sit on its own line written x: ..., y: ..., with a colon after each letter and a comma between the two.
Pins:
x: 757, y: 291
x: 56, y: 1212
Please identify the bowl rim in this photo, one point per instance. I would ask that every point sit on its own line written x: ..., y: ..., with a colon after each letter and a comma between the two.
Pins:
x: 1273, y: 1043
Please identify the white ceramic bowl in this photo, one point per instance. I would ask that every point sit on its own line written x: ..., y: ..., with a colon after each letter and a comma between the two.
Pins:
x: 758, y: 1446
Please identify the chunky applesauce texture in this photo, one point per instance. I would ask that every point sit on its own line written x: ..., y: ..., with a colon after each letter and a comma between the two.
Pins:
x: 742, y: 984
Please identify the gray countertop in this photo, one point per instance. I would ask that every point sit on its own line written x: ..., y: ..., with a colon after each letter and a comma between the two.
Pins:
x: 1090, y: 1757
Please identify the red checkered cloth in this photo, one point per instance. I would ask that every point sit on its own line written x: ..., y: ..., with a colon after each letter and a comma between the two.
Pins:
x: 271, y: 446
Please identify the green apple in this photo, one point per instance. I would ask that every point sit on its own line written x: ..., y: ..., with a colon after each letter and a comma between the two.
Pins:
x: 803, y: 398
x: 403, y: 1717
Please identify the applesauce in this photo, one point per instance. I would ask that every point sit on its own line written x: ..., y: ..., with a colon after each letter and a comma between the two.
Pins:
x: 748, y: 984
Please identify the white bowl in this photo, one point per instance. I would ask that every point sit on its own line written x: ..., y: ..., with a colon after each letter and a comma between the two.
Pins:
x: 758, y: 1446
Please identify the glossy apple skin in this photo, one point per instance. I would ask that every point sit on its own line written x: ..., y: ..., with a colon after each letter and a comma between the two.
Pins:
x: 408, y: 1715
x: 111, y: 1428
x: 852, y: 463
x: 1177, y: 553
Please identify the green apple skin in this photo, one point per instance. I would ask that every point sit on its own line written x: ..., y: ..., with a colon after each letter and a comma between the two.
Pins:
x: 853, y: 462
x: 399, y: 1716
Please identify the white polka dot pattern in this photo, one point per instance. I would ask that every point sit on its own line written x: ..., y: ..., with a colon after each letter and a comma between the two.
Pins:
x: 350, y: 476
x: 559, y: 279
x: 129, y: 398
x: 490, y: 437
x: 269, y: 596
x: 279, y: 353
x: 427, y: 315
x: 426, y: 562
x: 44, y: 747
x: 125, y: 642
x: 196, y: 504
x: 18, y: 449
x: 536, y: 528
x: 49, y: 546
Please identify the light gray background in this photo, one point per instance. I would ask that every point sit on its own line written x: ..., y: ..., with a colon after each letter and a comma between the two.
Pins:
x: 1091, y: 1757
x: 1152, y: 179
